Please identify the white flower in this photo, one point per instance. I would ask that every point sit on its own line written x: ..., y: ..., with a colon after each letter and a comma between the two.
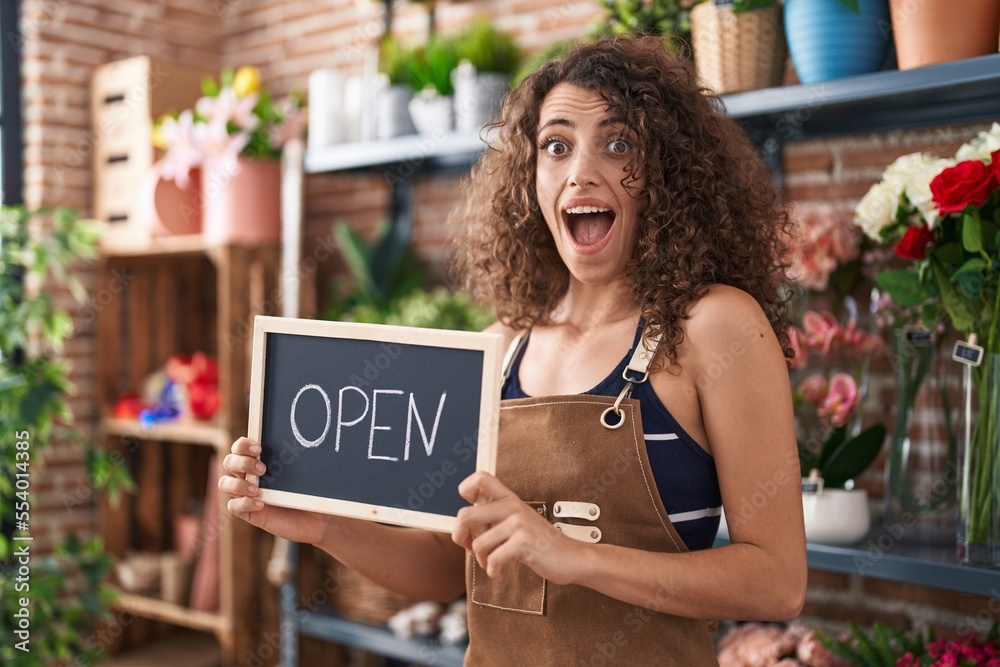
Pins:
x: 981, y: 146
x: 877, y: 210
x: 910, y: 174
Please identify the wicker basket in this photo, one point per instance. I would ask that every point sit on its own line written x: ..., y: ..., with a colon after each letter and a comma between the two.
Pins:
x: 737, y: 52
x: 360, y: 599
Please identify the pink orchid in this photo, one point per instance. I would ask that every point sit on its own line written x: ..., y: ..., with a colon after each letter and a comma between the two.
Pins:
x: 185, y: 153
x: 824, y: 238
x: 293, y: 125
x: 841, y: 400
x: 814, y: 389
x: 800, y: 357
x: 228, y: 108
x: 821, y: 330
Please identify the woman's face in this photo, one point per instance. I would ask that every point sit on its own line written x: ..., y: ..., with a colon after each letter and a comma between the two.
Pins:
x: 582, y: 155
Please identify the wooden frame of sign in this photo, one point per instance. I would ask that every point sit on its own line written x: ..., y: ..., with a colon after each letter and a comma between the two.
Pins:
x: 345, y: 369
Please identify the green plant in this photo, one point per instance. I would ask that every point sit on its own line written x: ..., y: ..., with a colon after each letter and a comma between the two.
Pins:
x: 439, y: 308
x: 397, y: 62
x: 488, y: 49
x: 882, y: 648
x: 383, y: 272
x: 433, y: 64
x: 740, y: 6
x: 553, y: 52
x: 65, y: 594
x: 647, y: 17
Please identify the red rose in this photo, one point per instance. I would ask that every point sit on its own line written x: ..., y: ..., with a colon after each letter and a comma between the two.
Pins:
x: 995, y: 166
x: 969, y: 182
x: 913, y: 245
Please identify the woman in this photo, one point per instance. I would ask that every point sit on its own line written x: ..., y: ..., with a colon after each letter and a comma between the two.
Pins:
x: 623, y: 225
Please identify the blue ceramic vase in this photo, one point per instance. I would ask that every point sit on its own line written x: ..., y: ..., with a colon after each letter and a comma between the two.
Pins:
x: 829, y: 41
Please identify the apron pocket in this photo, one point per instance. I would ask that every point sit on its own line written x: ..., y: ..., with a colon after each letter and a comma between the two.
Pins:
x: 520, y: 590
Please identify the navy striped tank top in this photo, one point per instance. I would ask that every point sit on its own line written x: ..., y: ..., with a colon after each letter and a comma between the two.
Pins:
x: 684, y: 472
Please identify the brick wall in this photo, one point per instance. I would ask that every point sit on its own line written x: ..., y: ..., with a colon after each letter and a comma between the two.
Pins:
x: 289, y: 39
x: 63, y: 42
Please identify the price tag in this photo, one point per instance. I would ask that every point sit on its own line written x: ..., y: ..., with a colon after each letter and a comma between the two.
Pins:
x: 812, y: 485
x: 918, y: 336
x: 969, y: 354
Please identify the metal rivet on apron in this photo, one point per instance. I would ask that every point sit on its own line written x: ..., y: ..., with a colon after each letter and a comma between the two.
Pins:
x: 540, y: 510
x: 559, y: 528
x: 593, y: 512
x: 558, y: 509
x: 594, y: 534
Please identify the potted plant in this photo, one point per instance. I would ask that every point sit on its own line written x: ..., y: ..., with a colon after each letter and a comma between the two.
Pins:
x: 833, y: 447
x: 235, y: 134
x: 738, y: 44
x: 487, y: 58
x: 938, y: 31
x: 432, y: 107
x: 830, y: 39
x: 667, y: 18
x: 399, y: 79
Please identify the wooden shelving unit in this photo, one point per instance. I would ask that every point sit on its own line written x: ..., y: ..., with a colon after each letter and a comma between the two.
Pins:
x: 177, y: 296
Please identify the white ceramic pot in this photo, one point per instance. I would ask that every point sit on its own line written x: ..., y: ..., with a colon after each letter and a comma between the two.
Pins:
x: 393, y: 112
x: 432, y: 113
x: 836, y: 516
x: 478, y: 97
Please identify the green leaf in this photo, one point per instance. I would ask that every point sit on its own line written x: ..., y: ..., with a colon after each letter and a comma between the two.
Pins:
x: 949, y: 253
x: 740, y: 6
x: 209, y: 88
x: 970, y: 277
x: 972, y: 233
x: 903, y: 286
x: 357, y: 256
x: 962, y: 316
x: 853, y: 5
x: 852, y: 457
x: 833, y: 441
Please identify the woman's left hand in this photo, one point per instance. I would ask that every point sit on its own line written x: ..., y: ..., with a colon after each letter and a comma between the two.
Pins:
x: 499, y: 528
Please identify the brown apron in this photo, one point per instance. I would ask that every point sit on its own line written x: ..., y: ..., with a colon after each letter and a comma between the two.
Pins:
x: 594, y: 483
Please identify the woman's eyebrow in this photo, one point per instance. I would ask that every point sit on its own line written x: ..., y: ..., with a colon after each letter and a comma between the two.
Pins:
x: 557, y: 121
x: 611, y: 120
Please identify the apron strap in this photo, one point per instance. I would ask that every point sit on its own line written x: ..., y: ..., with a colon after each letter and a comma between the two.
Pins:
x: 638, y: 365
x: 513, y: 350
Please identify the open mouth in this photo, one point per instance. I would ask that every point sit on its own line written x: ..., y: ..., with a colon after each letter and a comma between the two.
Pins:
x: 588, y: 225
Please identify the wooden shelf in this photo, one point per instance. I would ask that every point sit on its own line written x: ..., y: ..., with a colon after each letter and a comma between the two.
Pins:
x: 186, y: 244
x: 190, y: 649
x: 161, y: 610
x: 209, y: 433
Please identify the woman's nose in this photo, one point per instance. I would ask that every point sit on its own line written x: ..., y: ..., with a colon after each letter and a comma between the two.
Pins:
x: 583, y: 170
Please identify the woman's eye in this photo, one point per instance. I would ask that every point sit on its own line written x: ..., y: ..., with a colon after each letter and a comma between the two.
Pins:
x: 619, y: 146
x: 554, y: 147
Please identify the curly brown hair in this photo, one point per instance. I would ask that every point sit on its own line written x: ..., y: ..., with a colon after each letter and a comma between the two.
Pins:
x: 709, y: 212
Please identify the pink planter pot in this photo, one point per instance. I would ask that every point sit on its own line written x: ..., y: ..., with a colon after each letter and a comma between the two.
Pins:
x: 168, y: 209
x: 241, y: 201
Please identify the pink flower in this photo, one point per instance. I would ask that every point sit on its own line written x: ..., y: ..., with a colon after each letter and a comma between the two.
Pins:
x: 823, y: 239
x: 799, y: 357
x: 841, y: 401
x: 184, y: 153
x: 820, y: 329
x: 814, y: 389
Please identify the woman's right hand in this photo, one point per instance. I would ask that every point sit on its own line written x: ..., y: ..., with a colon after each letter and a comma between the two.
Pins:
x: 291, y: 524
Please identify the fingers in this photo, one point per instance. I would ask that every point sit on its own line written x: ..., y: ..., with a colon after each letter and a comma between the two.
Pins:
x: 245, y: 447
x: 243, y: 506
x: 243, y: 465
x: 234, y: 486
x: 472, y: 521
x: 482, y: 487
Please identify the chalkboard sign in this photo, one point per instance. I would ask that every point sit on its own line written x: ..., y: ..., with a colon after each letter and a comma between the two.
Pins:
x: 372, y: 421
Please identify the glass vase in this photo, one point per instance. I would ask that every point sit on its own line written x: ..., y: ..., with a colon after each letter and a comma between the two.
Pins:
x: 978, y: 534
x: 920, y: 470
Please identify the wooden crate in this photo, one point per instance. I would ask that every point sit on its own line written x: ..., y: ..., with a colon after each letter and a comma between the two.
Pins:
x: 177, y: 302
x: 126, y: 96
